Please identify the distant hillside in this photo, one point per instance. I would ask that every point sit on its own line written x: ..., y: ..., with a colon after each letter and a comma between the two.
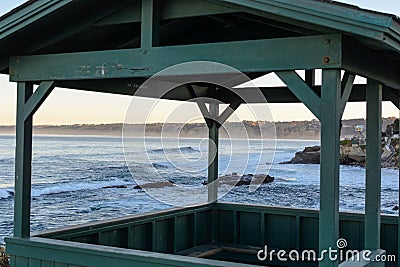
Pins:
x: 308, y: 130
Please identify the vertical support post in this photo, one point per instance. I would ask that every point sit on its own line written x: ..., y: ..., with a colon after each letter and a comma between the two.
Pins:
x: 150, y: 24
x: 23, y: 159
x: 330, y: 155
x: 213, y: 132
x: 310, y: 77
x: 373, y: 166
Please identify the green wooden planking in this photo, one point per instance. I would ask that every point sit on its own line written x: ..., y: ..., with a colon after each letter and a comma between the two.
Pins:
x: 91, y: 255
x: 279, y: 237
x: 44, y: 40
x: 329, y: 167
x: 262, y: 228
x: 93, y: 229
x: 48, y: 263
x: 22, y: 262
x: 288, y: 54
x: 235, y: 227
x: 308, y: 234
x: 280, y: 223
x: 173, y: 10
x: 163, y: 236
x: 35, y: 262
x: 373, y: 166
x: 141, y: 237
x: 353, y: 232
x: 203, y: 227
x: 58, y: 264
x: 322, y: 16
x: 184, y: 232
x: 104, y: 238
x: 13, y: 261
x: 247, y: 223
x: 388, y: 240
x: 31, y: 13
x: 225, y: 226
x: 357, y: 58
x: 23, y: 159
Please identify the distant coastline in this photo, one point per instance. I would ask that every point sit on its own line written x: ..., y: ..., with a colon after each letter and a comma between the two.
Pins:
x: 304, y: 130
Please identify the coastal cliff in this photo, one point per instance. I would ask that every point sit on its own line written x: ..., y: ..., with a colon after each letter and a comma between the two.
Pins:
x: 305, y: 130
x: 349, y: 155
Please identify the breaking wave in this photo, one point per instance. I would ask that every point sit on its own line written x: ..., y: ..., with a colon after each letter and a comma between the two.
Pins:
x: 185, y: 149
x: 6, y: 193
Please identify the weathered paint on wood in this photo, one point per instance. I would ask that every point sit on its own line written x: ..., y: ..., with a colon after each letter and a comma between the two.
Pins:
x: 288, y: 54
x: 279, y: 228
x: 23, y: 160
x: 331, y: 111
x: 373, y: 166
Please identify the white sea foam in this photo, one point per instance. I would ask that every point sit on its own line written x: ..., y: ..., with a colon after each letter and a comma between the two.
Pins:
x: 6, y: 193
x: 72, y: 187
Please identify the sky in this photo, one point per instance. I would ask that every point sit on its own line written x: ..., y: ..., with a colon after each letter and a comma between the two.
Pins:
x: 76, y: 107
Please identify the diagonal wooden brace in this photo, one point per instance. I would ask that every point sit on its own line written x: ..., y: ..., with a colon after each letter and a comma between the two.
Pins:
x: 302, y: 91
x: 37, y: 99
x: 347, y: 86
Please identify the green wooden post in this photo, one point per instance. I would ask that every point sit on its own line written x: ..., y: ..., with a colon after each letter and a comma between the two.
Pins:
x: 23, y: 159
x: 373, y: 166
x: 150, y: 24
x: 213, y: 153
x: 310, y: 77
x: 330, y: 153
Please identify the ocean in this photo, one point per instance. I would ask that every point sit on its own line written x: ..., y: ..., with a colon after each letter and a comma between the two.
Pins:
x: 80, y: 179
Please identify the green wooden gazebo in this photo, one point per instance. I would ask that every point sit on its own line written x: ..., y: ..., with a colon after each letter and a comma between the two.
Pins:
x: 108, y: 46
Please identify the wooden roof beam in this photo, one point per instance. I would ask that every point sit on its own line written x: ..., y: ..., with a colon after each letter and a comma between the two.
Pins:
x: 311, y: 52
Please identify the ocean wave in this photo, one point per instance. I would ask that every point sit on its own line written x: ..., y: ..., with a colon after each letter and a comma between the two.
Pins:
x: 286, y: 179
x: 52, y: 189
x: 73, y: 187
x: 6, y: 193
x: 185, y: 149
x: 161, y: 165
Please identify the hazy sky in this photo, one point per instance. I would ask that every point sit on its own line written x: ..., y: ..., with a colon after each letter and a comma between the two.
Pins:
x: 70, y: 107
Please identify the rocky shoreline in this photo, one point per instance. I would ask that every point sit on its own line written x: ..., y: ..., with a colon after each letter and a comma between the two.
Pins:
x: 349, y: 155
x: 4, y: 259
x: 231, y: 179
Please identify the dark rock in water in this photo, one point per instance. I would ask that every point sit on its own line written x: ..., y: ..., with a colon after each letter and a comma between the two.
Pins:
x: 116, y: 186
x: 155, y: 185
x: 312, y: 149
x: 268, y: 179
x: 236, y: 180
x: 395, y: 208
x: 310, y: 155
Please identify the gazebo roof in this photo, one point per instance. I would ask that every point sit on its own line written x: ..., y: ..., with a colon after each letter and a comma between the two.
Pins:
x: 369, y: 42
x: 59, y: 26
